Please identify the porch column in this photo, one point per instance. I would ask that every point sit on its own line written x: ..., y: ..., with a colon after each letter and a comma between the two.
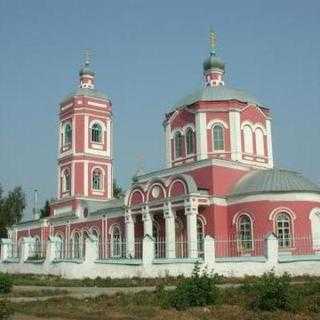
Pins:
x: 191, y: 211
x: 147, y: 221
x: 129, y: 222
x: 170, y: 231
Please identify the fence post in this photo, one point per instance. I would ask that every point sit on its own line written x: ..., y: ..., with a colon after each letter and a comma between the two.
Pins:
x: 209, y: 250
x: 130, y: 245
x: 51, y: 249
x: 26, y: 247
x: 271, y: 250
x: 5, y: 249
x: 92, y: 250
x: 147, y: 250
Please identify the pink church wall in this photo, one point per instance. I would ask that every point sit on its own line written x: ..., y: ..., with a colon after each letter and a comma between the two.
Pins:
x: 79, y: 119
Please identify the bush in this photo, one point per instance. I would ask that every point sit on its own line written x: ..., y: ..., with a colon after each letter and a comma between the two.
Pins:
x: 199, y: 290
x: 5, y: 310
x: 270, y: 293
x: 5, y: 283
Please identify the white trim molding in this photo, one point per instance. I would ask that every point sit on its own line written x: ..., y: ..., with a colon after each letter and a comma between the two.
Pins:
x: 214, y: 122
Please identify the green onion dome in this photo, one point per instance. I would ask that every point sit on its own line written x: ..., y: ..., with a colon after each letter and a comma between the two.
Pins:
x: 213, y: 62
x: 86, y: 70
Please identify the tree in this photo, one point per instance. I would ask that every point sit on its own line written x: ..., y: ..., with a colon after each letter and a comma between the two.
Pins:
x: 45, y: 211
x: 117, y: 190
x: 11, y: 208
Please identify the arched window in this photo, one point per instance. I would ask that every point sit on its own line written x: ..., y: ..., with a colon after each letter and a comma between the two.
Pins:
x: 200, y: 238
x: 66, y: 180
x: 178, y: 144
x: 85, y: 236
x: 284, y: 230
x: 247, y: 138
x: 76, y: 246
x: 245, y: 233
x: 218, y: 137
x: 97, y: 180
x: 159, y: 248
x: 259, y: 142
x: 190, y: 139
x: 96, y: 133
x: 60, y: 251
x: 67, y: 134
x: 116, y: 242
x: 37, y: 248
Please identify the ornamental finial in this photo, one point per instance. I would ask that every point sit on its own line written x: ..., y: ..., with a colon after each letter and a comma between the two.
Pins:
x: 87, y: 57
x: 213, y: 42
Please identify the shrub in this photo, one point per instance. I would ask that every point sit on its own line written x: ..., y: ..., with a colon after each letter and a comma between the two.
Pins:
x: 5, y: 283
x: 199, y: 290
x: 270, y: 293
x: 5, y: 310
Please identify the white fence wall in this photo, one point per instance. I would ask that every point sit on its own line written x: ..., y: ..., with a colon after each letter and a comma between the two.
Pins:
x: 150, y: 267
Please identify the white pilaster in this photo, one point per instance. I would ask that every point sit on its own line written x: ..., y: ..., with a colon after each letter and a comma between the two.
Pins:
x: 170, y: 231
x: 201, y: 135
x: 73, y: 178
x: 85, y: 177
x: 168, y: 145
x: 191, y: 211
x: 109, y: 138
x: 235, y: 135
x: 269, y: 143
x: 129, y: 235
x: 147, y: 221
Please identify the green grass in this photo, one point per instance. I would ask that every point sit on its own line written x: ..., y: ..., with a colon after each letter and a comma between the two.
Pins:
x: 145, y: 305
x: 35, y: 293
x: 57, y: 281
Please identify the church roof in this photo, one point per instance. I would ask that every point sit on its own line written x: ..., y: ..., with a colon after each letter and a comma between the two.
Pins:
x: 273, y: 181
x: 86, y: 92
x: 217, y: 93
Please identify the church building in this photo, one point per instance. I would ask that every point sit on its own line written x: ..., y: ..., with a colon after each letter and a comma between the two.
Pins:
x: 219, y: 181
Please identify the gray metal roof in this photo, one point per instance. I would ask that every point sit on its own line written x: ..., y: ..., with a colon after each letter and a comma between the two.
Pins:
x: 273, y: 180
x: 86, y: 92
x: 103, y: 206
x: 218, y: 93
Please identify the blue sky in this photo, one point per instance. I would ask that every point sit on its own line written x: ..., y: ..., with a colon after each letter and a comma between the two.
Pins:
x: 147, y: 55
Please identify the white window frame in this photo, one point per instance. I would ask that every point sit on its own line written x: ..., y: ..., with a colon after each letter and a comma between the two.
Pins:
x: 247, y: 139
x: 218, y: 125
x: 187, y: 131
x: 175, y: 145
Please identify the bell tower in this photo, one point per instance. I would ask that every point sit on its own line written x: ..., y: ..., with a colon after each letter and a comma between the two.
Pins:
x: 85, y: 142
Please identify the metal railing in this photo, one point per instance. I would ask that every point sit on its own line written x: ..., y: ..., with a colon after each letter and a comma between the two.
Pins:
x: 121, y: 249
x: 160, y: 248
x: 182, y: 248
x: 14, y: 251
x: 37, y: 250
x: 299, y: 245
x: 234, y: 247
x: 138, y: 249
